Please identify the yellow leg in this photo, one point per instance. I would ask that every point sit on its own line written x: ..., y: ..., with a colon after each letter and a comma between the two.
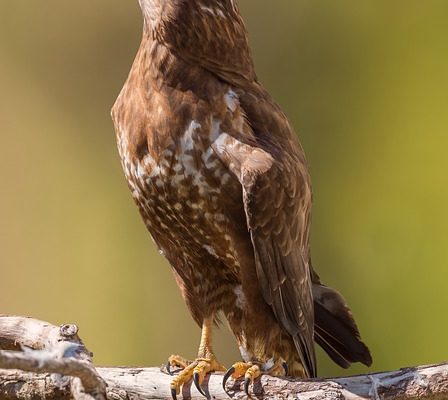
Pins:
x: 199, y: 368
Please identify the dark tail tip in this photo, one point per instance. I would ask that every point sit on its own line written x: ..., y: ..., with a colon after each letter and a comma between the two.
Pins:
x: 335, y: 329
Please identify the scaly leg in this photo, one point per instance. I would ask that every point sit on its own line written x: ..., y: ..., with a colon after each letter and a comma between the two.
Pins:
x: 199, y: 368
x: 252, y: 371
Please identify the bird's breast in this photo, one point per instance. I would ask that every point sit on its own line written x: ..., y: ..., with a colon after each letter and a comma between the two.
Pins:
x: 188, y: 198
x: 186, y: 169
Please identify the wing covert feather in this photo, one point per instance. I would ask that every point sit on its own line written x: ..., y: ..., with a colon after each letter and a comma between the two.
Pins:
x: 277, y: 200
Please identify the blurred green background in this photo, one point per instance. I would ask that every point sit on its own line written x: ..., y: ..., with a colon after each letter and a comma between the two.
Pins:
x: 365, y: 83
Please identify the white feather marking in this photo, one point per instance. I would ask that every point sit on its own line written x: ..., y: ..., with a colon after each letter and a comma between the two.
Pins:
x: 267, y: 366
x: 240, y: 301
x: 245, y: 354
x: 213, y: 11
x: 210, y: 249
x: 215, y: 130
x: 187, y: 142
x: 231, y: 99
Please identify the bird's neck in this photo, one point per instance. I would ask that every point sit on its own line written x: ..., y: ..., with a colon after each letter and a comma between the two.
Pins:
x: 158, y: 65
x: 197, y: 34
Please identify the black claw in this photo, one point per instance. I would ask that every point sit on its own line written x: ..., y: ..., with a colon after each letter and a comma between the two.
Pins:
x: 174, y: 394
x: 196, y: 383
x: 246, y: 385
x: 227, y: 375
x: 168, y: 367
x: 285, y: 367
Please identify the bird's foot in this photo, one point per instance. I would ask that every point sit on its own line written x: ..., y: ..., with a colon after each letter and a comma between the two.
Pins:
x: 196, y: 370
x: 178, y: 362
x: 252, y: 371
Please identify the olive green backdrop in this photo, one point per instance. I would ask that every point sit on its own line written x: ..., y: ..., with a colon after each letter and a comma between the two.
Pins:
x: 365, y: 84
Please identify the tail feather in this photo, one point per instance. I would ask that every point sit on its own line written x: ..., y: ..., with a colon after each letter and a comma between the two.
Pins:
x: 335, y: 329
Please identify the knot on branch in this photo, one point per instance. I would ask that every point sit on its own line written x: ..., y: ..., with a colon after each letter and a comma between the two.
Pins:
x: 41, y: 348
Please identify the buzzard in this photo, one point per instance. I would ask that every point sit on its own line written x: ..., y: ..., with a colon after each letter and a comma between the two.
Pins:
x: 222, y: 184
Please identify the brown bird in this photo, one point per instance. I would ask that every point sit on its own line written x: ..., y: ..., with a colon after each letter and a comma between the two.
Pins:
x: 222, y: 184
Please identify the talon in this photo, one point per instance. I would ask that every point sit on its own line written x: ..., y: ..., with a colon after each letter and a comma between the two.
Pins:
x: 196, y: 378
x: 227, y: 375
x: 168, y: 368
x: 285, y: 367
x: 174, y: 394
x: 246, y: 385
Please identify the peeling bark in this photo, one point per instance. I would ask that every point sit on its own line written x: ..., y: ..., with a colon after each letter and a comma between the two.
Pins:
x: 59, y: 349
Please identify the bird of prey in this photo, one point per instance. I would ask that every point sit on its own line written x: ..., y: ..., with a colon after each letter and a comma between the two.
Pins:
x: 222, y: 184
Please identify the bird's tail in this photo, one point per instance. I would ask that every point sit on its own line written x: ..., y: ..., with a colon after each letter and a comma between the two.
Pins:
x: 335, y: 329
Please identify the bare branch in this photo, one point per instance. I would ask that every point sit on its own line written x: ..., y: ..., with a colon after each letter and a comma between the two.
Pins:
x: 422, y: 383
x: 428, y: 382
x: 50, y: 349
x: 39, y: 361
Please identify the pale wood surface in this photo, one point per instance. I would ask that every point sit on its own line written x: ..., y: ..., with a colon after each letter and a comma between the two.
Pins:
x: 59, y: 349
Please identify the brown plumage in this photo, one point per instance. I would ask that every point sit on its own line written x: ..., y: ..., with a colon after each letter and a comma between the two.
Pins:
x: 222, y: 184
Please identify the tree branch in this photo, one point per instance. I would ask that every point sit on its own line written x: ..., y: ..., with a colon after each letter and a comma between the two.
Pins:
x: 59, y: 351
x: 50, y: 349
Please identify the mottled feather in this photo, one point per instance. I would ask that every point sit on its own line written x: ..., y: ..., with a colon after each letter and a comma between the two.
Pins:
x: 222, y: 185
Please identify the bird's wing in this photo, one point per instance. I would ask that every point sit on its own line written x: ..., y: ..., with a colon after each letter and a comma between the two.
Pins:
x: 277, y: 201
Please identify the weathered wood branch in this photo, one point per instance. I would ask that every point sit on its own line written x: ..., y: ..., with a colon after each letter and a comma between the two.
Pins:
x: 59, y: 367
x: 46, y: 348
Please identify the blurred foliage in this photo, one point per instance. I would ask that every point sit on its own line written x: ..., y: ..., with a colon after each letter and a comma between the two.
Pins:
x: 364, y: 83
